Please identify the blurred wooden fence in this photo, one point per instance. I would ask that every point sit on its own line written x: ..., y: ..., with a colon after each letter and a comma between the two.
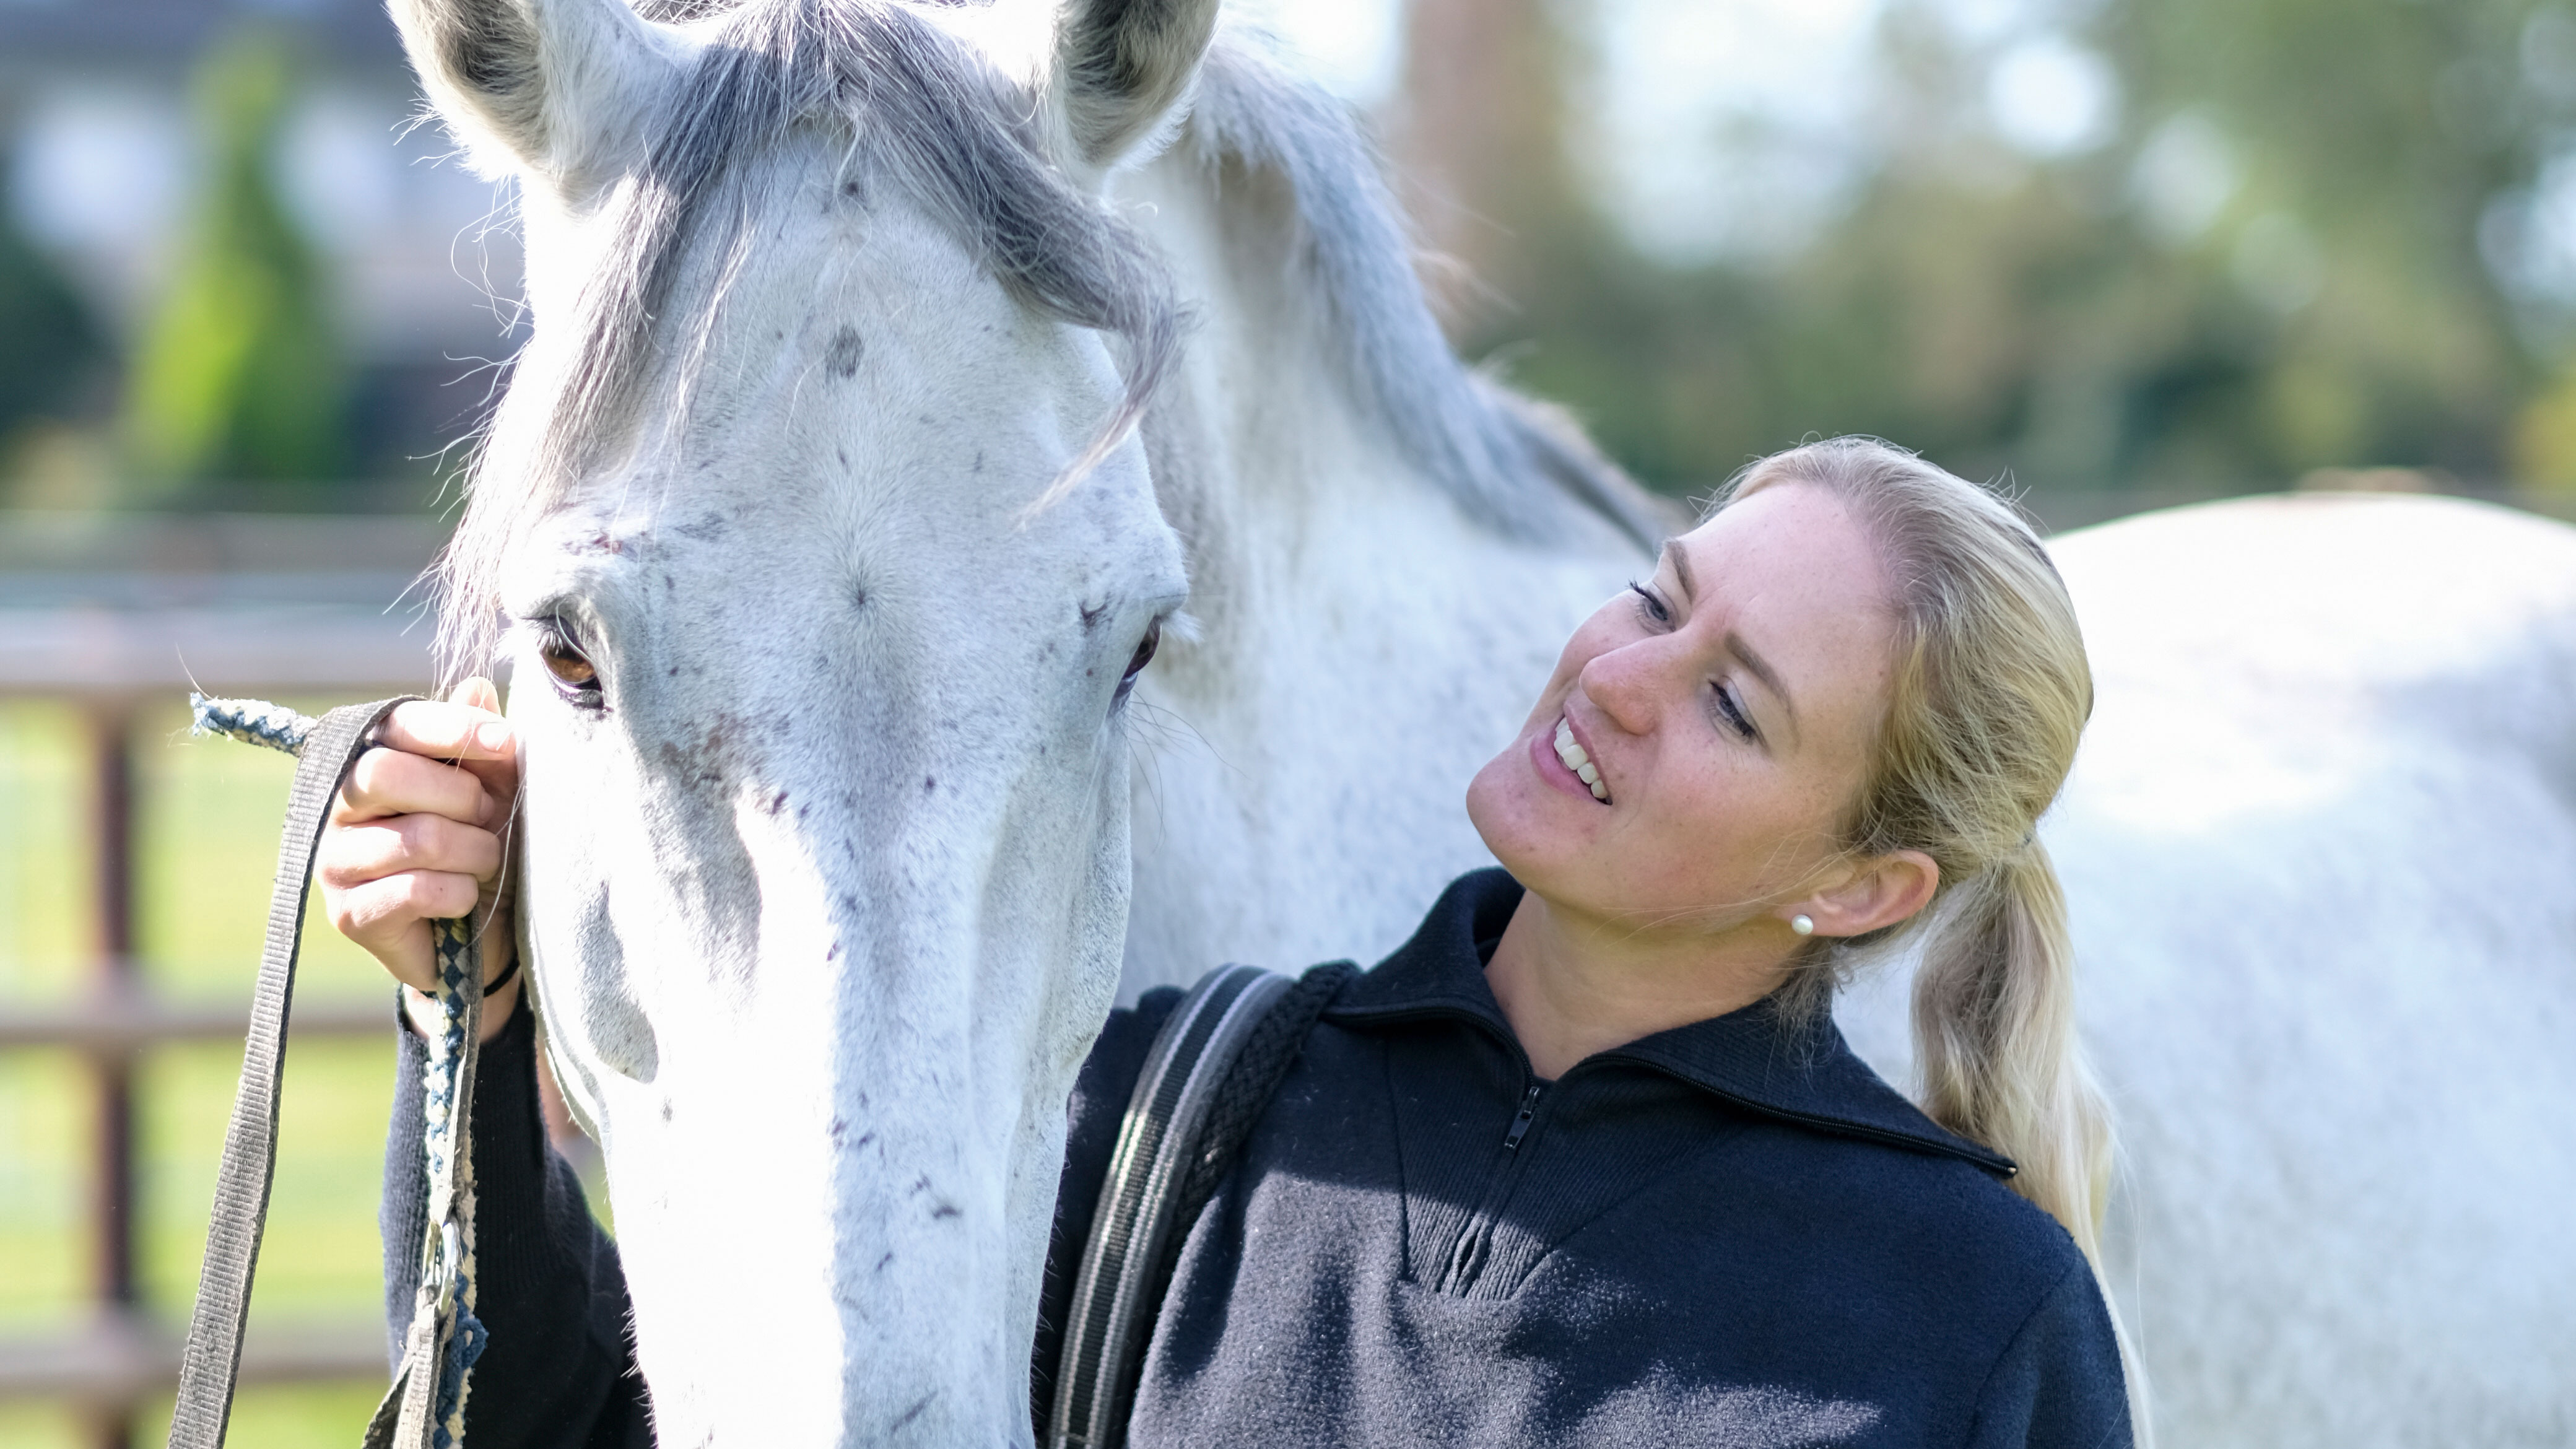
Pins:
x: 119, y: 615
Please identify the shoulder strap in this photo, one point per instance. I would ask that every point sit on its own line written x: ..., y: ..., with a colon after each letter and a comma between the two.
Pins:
x: 1213, y: 1068
x: 212, y: 1359
x: 1243, y: 1093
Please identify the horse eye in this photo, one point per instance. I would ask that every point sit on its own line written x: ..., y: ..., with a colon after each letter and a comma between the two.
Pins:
x: 568, y: 664
x: 1143, y: 656
x: 1145, y: 648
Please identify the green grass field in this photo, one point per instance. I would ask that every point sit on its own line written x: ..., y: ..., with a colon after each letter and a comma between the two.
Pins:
x: 206, y: 847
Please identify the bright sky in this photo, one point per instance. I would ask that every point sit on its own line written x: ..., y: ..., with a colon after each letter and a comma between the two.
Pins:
x: 1351, y: 45
x: 1729, y: 125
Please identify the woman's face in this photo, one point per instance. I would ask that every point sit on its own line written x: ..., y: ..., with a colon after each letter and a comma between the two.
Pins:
x: 1725, y: 707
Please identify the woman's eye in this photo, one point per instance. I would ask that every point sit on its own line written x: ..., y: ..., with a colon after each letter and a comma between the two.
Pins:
x: 1650, y: 605
x: 1732, y: 713
x: 570, y: 667
x: 1143, y: 656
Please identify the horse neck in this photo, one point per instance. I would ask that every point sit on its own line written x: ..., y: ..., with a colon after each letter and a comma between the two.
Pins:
x: 1364, y: 642
x: 1269, y: 456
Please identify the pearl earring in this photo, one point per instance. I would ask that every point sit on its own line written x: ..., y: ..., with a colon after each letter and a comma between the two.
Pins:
x: 1803, y: 925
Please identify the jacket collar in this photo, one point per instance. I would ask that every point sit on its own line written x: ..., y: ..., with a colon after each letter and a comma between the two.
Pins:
x: 1803, y: 1074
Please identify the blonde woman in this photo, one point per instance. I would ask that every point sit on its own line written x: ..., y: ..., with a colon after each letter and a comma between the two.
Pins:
x: 1585, y: 1162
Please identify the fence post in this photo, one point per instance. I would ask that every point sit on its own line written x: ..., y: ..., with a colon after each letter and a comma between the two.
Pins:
x: 111, y: 728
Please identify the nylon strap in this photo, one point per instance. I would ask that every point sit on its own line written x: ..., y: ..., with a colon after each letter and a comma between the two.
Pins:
x: 212, y: 1360
x: 1214, y: 1065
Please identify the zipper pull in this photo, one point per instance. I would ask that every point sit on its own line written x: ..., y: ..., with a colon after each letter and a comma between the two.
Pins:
x: 1521, y: 1123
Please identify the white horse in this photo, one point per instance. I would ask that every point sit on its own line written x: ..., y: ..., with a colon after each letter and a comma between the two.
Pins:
x: 812, y: 493
x: 815, y: 525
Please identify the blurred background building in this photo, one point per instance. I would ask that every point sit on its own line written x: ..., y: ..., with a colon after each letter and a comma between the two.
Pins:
x: 2122, y: 252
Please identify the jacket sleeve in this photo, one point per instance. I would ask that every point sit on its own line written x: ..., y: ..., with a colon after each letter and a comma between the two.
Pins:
x: 1092, y: 1121
x: 559, y: 1370
x: 2059, y: 1384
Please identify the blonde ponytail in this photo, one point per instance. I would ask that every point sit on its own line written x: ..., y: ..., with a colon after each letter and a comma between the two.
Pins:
x: 1987, y: 701
x: 1994, y: 1040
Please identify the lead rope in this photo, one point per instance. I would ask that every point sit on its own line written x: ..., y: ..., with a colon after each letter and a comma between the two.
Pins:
x: 426, y: 1404
x: 425, y: 1408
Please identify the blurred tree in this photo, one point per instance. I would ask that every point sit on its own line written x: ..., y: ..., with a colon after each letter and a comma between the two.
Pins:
x: 239, y: 377
x: 49, y: 345
x: 2291, y: 246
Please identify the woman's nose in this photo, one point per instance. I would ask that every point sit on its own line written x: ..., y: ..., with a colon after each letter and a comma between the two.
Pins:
x: 1629, y: 684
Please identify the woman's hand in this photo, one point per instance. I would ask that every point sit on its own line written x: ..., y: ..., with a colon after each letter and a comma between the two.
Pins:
x: 416, y: 836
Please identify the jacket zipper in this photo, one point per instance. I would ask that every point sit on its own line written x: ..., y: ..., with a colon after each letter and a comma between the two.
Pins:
x: 1521, y: 1123
x: 1467, y: 1261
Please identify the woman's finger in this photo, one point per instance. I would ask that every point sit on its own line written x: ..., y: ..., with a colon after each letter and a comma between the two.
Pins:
x: 369, y: 850
x: 499, y: 774
x: 389, y: 917
x: 451, y: 729
x: 387, y: 782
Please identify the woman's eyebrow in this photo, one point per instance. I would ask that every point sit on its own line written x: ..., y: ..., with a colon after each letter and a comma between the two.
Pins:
x: 1679, y: 558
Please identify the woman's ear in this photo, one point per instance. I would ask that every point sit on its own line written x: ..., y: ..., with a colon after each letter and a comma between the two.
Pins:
x: 1880, y: 893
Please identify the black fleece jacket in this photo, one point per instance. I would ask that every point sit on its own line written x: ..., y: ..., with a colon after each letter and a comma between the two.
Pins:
x: 1731, y: 1233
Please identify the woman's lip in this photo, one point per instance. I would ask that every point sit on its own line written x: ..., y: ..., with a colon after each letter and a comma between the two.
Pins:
x: 1543, y: 758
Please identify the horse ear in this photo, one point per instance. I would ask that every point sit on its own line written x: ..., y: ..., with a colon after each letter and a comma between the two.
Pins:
x: 1121, y: 65
x: 551, y: 85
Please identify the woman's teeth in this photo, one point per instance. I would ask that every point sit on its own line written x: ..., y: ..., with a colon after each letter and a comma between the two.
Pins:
x: 1579, y: 762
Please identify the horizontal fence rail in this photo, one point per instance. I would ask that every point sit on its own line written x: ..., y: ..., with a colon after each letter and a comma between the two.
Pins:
x: 125, y: 1021
x: 121, y: 1358
x: 123, y: 1354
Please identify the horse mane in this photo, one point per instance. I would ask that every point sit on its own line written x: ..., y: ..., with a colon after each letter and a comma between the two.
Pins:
x: 1511, y: 462
x: 928, y: 113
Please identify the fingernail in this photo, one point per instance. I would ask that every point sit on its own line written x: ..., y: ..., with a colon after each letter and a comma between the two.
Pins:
x: 494, y: 736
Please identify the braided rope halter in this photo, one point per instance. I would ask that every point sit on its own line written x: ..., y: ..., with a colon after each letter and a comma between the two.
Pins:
x: 425, y: 1409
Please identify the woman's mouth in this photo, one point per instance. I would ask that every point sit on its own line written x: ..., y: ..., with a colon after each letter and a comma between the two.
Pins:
x: 1571, y: 753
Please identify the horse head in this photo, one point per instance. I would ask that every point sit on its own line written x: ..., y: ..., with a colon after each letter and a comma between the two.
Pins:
x: 814, y: 530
